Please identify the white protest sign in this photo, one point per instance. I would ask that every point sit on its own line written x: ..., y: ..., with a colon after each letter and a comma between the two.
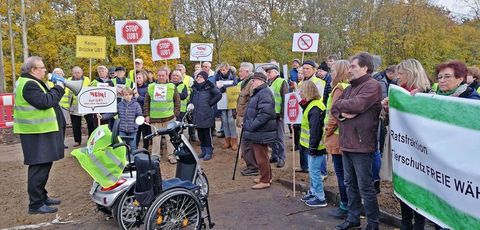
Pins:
x: 305, y: 42
x: 165, y: 49
x: 97, y: 100
x: 201, y: 51
x: 285, y: 72
x: 223, y: 103
x: 131, y: 32
x: 293, y: 112
x: 259, y: 67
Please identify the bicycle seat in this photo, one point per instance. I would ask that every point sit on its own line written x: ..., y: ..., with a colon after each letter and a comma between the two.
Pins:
x: 175, y: 182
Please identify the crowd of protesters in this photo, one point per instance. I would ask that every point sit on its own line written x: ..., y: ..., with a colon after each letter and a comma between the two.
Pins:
x: 345, y: 117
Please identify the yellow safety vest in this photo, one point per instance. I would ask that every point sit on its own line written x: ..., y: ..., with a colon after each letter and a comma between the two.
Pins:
x: 276, y: 87
x: 165, y: 107
x: 318, y: 82
x: 27, y: 118
x: 305, y: 126
x: 103, y: 163
x: 184, y: 102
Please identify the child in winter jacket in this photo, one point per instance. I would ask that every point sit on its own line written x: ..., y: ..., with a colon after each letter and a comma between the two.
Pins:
x: 128, y: 110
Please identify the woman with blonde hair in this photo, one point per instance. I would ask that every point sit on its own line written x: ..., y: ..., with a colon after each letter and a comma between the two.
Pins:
x: 412, y: 77
x: 311, y: 141
x: 339, y: 83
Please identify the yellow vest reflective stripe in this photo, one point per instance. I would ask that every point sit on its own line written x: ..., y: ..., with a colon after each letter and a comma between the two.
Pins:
x: 103, y: 163
x: 66, y: 98
x: 276, y: 87
x: 330, y: 103
x: 305, y: 126
x: 161, y: 109
x: 27, y: 118
x: 184, y: 102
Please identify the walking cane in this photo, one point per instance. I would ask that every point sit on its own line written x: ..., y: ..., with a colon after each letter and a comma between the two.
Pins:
x: 238, y: 155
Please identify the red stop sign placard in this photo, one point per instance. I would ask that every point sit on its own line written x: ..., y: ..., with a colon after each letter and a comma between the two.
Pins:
x: 164, y: 48
x: 293, y: 110
x: 132, y: 32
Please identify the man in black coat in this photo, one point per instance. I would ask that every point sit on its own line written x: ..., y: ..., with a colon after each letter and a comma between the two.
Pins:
x: 260, y: 127
x: 40, y: 149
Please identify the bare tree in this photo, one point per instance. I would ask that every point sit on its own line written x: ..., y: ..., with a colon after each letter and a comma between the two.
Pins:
x: 24, y: 32
x: 474, y: 6
x: 12, y: 45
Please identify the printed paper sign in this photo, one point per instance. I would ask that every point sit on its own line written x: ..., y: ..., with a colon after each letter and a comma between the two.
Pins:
x: 97, y: 100
x: 160, y: 93
x: 435, y: 156
x: 91, y: 47
x: 293, y: 112
x: 201, y: 51
x: 305, y: 42
x: 232, y: 96
x: 131, y: 32
x: 165, y: 49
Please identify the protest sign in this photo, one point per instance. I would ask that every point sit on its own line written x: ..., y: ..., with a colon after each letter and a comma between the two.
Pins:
x: 131, y: 32
x: 293, y: 112
x: 435, y: 157
x: 97, y: 100
x: 165, y: 49
x: 91, y: 47
x: 201, y: 51
x: 305, y: 42
x: 232, y: 96
x: 223, y: 103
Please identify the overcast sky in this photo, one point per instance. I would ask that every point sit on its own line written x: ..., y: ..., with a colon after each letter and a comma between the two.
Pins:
x: 458, y: 8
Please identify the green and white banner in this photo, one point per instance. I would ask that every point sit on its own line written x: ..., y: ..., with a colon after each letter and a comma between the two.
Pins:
x: 435, y: 143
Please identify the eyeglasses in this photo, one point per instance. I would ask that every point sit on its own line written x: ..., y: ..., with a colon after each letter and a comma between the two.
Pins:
x: 445, y: 77
x: 40, y: 67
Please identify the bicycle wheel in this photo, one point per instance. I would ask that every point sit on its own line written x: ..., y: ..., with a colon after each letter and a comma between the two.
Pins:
x: 177, y: 208
x: 202, y: 181
x: 128, y: 213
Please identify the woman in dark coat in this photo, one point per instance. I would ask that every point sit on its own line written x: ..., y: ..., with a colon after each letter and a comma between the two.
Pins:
x: 260, y: 127
x: 204, y: 96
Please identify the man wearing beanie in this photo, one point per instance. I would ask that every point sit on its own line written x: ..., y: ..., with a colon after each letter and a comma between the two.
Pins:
x: 259, y: 127
x: 323, y: 73
x: 279, y: 88
x: 204, y: 96
x: 120, y: 81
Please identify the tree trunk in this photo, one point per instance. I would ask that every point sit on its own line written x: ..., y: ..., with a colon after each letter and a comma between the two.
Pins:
x: 12, y: 46
x: 24, y: 32
x: 2, y: 69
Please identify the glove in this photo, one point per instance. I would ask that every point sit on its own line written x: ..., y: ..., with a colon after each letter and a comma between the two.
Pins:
x: 60, y: 83
x: 223, y: 89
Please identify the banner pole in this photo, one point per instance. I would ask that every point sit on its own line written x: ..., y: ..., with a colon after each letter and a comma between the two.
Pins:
x: 90, y: 69
x: 303, y: 55
x: 134, y: 68
x: 293, y: 161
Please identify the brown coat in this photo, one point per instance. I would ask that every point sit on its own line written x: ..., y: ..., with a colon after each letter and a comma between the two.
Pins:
x: 331, y: 138
x: 362, y: 97
x: 243, y: 98
x: 176, y: 108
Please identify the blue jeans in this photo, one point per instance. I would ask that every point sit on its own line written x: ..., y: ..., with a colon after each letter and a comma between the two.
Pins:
x: 316, y: 183
x: 131, y: 141
x: 278, y: 147
x: 358, y: 180
x: 338, y: 167
x: 323, y: 168
x: 303, y: 158
x: 228, y: 123
x: 377, y: 164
